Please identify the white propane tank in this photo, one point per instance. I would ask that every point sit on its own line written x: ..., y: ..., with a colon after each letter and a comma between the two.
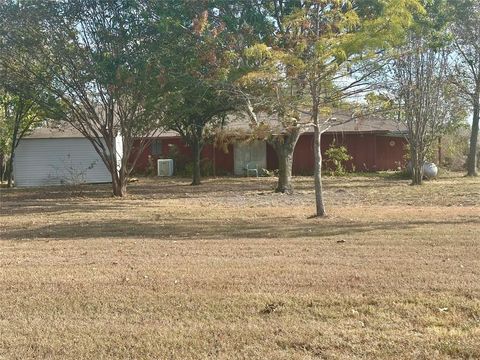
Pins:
x: 430, y: 170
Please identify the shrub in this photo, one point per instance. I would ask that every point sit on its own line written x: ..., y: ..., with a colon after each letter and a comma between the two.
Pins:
x: 337, y: 156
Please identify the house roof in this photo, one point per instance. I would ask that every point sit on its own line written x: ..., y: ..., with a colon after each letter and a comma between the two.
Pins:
x: 340, y: 122
x: 344, y: 123
x: 366, y: 124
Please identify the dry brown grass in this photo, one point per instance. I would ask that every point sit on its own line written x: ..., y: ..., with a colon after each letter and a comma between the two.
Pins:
x: 230, y: 270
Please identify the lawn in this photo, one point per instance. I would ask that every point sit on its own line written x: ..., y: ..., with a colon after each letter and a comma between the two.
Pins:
x: 230, y: 270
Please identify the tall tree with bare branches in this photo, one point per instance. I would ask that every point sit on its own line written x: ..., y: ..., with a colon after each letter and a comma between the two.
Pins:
x: 466, y: 31
x: 418, y: 87
x: 426, y: 101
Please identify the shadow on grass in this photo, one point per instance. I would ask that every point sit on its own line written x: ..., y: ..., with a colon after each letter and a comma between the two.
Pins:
x: 172, y: 188
x: 188, y: 228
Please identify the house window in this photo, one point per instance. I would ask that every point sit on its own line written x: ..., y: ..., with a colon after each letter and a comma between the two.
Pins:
x: 156, y: 147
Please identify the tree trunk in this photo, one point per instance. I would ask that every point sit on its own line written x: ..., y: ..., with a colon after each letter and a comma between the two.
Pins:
x: 119, y: 184
x: 196, y: 150
x: 417, y: 167
x: 12, y: 155
x: 123, y: 188
x: 440, y: 157
x: 284, y: 148
x: 119, y: 174
x: 285, y: 162
x: 119, y: 188
x: 10, y: 170
x: 472, y: 156
x: 318, y: 171
x: 2, y: 170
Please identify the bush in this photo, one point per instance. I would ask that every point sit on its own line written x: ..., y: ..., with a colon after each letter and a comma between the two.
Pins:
x: 182, y: 164
x: 206, y: 167
x: 455, y: 149
x: 337, y: 156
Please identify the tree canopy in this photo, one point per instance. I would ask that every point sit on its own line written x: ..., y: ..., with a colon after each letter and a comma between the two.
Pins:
x: 198, y: 62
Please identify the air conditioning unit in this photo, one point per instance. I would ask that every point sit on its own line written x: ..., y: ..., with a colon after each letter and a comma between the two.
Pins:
x: 165, y: 167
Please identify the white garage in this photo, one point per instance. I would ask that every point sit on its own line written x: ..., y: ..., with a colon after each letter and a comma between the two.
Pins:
x: 59, y: 157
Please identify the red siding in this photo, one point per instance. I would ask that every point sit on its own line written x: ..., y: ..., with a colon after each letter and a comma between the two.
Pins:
x: 361, y: 148
x: 370, y: 152
x: 390, y: 152
x: 142, y: 162
x: 223, y: 161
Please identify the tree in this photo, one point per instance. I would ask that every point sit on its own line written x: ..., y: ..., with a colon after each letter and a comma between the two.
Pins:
x: 418, y: 83
x: 94, y: 58
x: 198, y: 72
x: 466, y: 33
x: 268, y: 91
x: 21, y: 111
x: 194, y: 110
x: 18, y: 117
x: 426, y: 103
x: 328, y: 48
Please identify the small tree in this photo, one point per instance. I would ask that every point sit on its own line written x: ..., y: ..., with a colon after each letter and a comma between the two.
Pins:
x: 18, y: 117
x: 267, y: 90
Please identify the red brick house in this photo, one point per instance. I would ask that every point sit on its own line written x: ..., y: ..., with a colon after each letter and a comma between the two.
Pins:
x: 374, y: 143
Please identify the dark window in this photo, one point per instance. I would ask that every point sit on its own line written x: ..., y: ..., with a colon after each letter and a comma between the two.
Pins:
x: 156, y: 147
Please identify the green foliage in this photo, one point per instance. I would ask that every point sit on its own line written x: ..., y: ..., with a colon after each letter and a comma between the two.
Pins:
x: 185, y: 168
x: 318, y: 46
x: 17, y: 112
x: 18, y: 117
x: 454, y: 147
x: 337, y: 156
x: 199, y: 62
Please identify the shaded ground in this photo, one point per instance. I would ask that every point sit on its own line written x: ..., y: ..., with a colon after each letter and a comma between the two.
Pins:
x: 230, y: 270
